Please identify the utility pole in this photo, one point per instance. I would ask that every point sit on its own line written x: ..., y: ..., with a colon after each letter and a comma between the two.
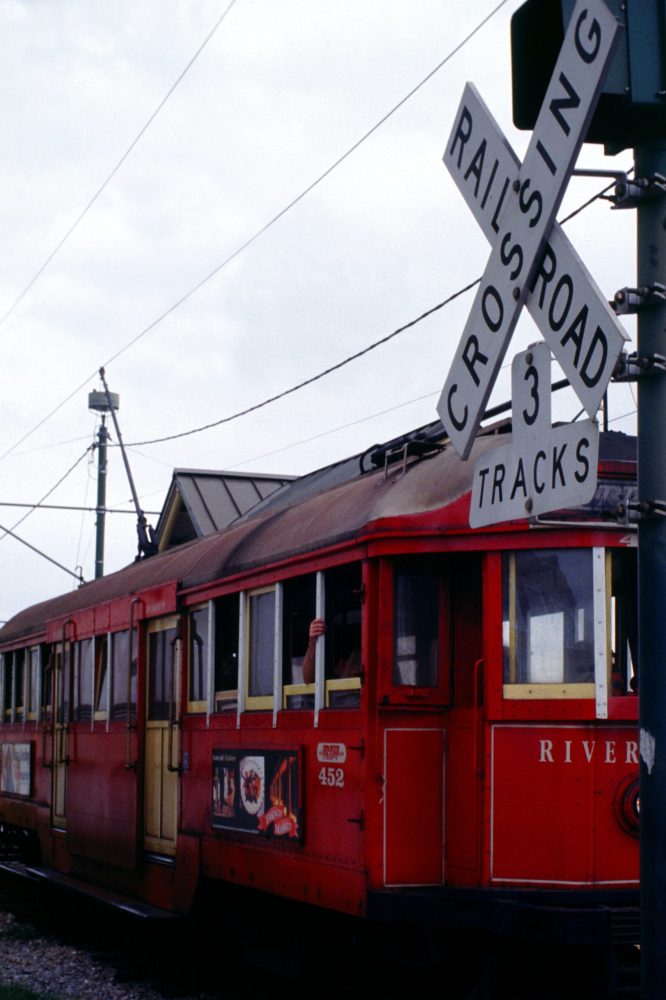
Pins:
x: 101, y: 402
x: 102, y: 438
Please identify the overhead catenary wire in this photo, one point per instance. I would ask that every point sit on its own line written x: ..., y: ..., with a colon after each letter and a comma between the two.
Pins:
x: 351, y: 357
x: 8, y: 531
x: 599, y: 195
x: 306, y: 191
x: 263, y: 229
x: 66, y: 506
x: 46, y: 495
x: 142, y: 131
x: 313, y: 378
x: 334, y: 430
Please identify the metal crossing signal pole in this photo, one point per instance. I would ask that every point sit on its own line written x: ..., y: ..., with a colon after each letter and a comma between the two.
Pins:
x: 651, y: 160
x: 632, y: 113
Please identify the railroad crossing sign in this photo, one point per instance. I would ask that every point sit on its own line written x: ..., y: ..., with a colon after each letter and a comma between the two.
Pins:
x: 544, y: 468
x: 531, y: 260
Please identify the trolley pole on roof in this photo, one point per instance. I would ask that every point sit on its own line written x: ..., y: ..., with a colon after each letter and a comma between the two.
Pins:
x: 146, y: 535
x: 103, y: 403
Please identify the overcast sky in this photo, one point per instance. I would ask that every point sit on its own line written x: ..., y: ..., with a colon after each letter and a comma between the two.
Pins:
x: 279, y: 93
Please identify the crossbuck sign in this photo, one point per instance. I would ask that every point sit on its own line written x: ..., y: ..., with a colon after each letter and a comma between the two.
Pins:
x: 532, y: 261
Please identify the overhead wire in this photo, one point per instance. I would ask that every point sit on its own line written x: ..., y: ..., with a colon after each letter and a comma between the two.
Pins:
x: 388, y: 337
x: 268, y: 225
x: 142, y: 131
x: 9, y: 531
x: 334, y: 430
x: 54, y: 444
x: 599, y: 195
x: 306, y: 191
x: 68, y: 506
x: 348, y: 359
x: 313, y: 378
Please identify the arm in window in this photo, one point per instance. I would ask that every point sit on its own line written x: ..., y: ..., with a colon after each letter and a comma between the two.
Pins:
x: 317, y: 628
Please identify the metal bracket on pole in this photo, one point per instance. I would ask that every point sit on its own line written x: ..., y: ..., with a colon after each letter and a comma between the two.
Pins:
x: 628, y: 193
x: 631, y: 513
x: 632, y: 300
x: 631, y: 367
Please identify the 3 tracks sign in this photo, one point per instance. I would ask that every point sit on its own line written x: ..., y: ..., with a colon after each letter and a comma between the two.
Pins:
x: 532, y: 262
x: 544, y: 467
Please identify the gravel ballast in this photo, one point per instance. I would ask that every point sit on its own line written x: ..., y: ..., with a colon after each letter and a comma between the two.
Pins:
x: 43, y: 964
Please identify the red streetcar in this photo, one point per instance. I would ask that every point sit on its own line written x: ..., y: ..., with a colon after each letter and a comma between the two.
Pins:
x: 466, y: 753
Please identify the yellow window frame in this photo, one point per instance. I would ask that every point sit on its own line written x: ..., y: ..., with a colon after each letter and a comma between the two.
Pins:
x: 513, y: 691
x: 341, y: 684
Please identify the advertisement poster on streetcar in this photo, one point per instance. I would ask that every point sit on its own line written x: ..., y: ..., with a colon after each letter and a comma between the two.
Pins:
x: 16, y: 773
x: 258, y: 791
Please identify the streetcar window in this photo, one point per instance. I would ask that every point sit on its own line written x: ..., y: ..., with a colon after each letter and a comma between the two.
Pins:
x: 7, y: 685
x: 162, y: 673
x: 226, y: 653
x: 47, y: 681
x: 101, y: 677
x: 297, y: 613
x: 548, y: 619
x: 261, y: 650
x: 343, y: 589
x: 624, y: 621
x: 83, y: 680
x: 123, y: 675
x: 13, y: 685
x: 63, y: 674
x: 19, y: 682
x: 416, y: 626
x: 198, y: 659
x: 32, y: 681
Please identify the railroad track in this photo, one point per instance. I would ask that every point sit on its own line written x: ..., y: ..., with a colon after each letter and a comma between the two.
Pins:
x: 224, y: 952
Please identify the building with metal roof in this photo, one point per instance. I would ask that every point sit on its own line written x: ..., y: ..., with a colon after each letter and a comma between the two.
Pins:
x: 201, y: 501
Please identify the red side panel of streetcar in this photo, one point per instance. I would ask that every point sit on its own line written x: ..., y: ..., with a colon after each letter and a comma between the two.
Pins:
x: 555, y: 796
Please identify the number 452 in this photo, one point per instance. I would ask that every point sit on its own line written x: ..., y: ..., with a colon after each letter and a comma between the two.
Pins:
x: 332, y: 777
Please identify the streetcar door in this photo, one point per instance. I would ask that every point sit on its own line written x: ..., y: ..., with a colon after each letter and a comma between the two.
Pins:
x: 414, y: 702
x: 60, y: 714
x: 163, y: 707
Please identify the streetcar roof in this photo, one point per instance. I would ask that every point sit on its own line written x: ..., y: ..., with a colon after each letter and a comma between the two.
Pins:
x: 337, y: 504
